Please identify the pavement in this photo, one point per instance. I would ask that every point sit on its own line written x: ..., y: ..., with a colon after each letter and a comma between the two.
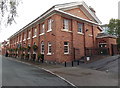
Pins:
x: 110, y: 64
x: 84, y: 74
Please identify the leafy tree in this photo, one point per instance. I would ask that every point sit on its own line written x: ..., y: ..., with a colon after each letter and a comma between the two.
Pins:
x: 114, y: 29
x: 8, y: 11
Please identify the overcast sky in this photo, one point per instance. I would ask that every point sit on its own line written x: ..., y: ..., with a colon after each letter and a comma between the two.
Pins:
x: 31, y: 9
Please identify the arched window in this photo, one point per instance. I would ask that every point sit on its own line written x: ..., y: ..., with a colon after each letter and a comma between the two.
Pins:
x: 42, y: 47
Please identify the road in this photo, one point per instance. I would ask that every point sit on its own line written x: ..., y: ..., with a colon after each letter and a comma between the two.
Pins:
x: 19, y: 74
x: 109, y: 64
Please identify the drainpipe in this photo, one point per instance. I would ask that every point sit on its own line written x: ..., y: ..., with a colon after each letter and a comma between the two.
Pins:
x: 93, y: 39
x: 72, y: 47
x: 84, y: 39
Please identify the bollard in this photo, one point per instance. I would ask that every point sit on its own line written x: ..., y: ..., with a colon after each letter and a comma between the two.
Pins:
x: 72, y: 63
x: 65, y: 63
x: 78, y: 62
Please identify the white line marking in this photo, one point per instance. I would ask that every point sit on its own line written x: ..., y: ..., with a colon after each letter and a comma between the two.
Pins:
x: 59, y: 77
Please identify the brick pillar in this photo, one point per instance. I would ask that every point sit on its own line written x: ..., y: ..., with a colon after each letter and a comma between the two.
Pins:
x: 37, y: 42
x: 31, y: 42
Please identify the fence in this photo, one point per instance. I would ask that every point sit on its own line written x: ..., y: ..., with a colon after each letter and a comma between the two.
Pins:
x: 96, y: 51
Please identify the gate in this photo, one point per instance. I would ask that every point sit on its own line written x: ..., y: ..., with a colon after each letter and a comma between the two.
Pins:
x: 76, y: 53
x: 114, y: 49
x: 96, y: 51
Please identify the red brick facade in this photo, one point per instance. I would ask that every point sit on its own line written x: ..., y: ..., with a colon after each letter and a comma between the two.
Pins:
x: 57, y: 36
x: 108, y: 41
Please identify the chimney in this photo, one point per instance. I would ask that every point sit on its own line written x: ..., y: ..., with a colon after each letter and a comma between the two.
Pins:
x: 92, y: 10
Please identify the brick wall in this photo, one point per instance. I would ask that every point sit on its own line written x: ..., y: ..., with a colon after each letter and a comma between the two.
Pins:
x: 108, y: 41
x: 57, y: 37
x: 77, y: 12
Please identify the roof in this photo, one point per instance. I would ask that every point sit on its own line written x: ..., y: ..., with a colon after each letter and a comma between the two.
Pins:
x: 67, y: 5
x: 58, y: 8
x: 105, y: 35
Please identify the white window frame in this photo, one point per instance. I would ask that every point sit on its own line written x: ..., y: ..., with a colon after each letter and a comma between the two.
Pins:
x: 65, y: 24
x: 102, y: 45
x: 42, y: 47
x: 24, y: 36
x: 67, y: 48
x: 21, y: 38
x: 49, y: 25
x: 18, y: 38
x: 79, y: 28
x: 49, y: 45
x: 42, y: 31
x: 29, y: 34
x: 34, y: 32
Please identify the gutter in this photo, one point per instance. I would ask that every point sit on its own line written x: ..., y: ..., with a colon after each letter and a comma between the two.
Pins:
x: 48, y: 12
x: 76, y: 17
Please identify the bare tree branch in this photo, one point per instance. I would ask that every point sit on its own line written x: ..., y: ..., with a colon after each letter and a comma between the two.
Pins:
x: 8, y: 11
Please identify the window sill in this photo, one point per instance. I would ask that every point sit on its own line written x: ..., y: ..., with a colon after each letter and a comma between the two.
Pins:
x: 28, y: 38
x: 42, y: 53
x: 24, y: 40
x: 66, y: 30
x: 34, y: 52
x: 90, y: 35
x: 80, y: 33
x: 34, y: 36
x: 49, y: 54
x: 66, y: 53
x: 49, y: 30
x: 28, y: 52
x: 42, y: 34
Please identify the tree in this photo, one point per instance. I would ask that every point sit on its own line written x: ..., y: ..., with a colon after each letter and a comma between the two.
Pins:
x: 8, y: 11
x: 114, y: 29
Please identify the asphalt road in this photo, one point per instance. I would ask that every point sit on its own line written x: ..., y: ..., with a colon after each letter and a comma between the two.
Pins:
x: 109, y: 64
x: 19, y: 74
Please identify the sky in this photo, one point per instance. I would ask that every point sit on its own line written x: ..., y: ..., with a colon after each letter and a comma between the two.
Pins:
x: 28, y: 10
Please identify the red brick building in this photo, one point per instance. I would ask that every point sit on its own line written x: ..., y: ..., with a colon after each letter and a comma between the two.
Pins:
x: 4, y: 47
x: 62, y: 33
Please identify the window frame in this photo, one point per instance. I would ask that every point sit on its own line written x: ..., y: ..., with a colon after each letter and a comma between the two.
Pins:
x: 81, y: 27
x: 102, y: 45
x: 21, y: 38
x: 49, y: 45
x: 35, y: 32
x: 18, y: 39
x: 66, y: 24
x: 67, y: 48
x: 24, y: 36
x: 42, y: 30
x: 42, y: 47
x: 49, y: 25
x: 29, y: 34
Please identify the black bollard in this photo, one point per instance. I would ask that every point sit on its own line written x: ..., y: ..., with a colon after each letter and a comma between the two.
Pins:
x: 65, y: 63
x: 72, y: 63
x: 78, y: 62
x: 42, y: 61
